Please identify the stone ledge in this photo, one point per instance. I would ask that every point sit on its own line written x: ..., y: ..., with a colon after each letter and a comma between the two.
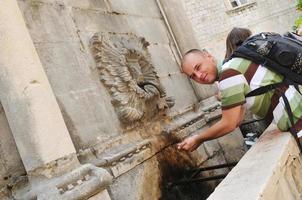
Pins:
x: 119, y: 159
x: 81, y: 183
x: 270, y: 170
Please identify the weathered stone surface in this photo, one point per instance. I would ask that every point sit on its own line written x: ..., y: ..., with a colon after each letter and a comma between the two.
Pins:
x: 128, y: 185
x: 61, y: 31
x: 125, y: 68
x: 271, y: 169
x: 11, y: 165
x: 71, y: 69
x: 152, y: 29
x: 103, y: 195
x: 101, y: 5
x: 42, y: 20
x: 125, y: 157
x: 183, y: 98
x: 233, y: 145
x: 176, y: 15
x: 73, y: 82
x: 164, y: 60
x: 80, y: 183
x: 26, y: 95
x: 138, y: 8
x: 217, y: 21
x: 5, y: 194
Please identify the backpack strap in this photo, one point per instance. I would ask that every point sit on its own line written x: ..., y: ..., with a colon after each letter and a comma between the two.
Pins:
x: 264, y: 89
x: 297, y: 88
x: 290, y: 82
x: 267, y: 88
x: 292, y: 130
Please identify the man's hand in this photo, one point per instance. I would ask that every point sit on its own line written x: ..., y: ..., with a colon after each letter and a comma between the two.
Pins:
x: 190, y: 144
x: 230, y: 119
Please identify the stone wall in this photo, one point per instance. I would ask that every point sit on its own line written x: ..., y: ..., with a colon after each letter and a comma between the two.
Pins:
x: 214, y: 19
x: 270, y: 170
x: 10, y: 161
x: 112, y: 96
x: 61, y: 32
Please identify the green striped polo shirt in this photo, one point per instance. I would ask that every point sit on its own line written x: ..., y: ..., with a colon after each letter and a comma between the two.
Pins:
x: 239, y: 76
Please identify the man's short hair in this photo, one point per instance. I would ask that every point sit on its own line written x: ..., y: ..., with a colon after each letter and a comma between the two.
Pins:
x: 192, y: 51
x: 195, y: 51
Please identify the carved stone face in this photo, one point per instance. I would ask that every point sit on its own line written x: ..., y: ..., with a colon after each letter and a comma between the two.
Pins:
x: 135, y: 69
x: 126, y: 70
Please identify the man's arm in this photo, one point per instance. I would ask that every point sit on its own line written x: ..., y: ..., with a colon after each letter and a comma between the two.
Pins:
x: 230, y: 120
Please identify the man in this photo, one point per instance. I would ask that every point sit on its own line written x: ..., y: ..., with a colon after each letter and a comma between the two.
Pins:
x: 236, y: 78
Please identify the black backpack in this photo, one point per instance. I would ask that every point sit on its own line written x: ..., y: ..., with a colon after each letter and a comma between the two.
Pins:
x: 279, y: 53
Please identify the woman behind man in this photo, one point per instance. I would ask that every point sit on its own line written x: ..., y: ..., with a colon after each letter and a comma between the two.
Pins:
x: 234, y: 39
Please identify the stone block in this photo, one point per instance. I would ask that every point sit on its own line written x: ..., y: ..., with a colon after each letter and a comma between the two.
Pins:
x: 48, y: 21
x: 269, y: 15
x: 128, y: 185
x: 129, y: 163
x: 85, y: 104
x: 103, y: 195
x: 100, y: 5
x: 271, y: 169
x: 233, y: 145
x: 152, y: 29
x: 178, y: 86
x: 88, y: 118
x: 94, y: 21
x: 123, y: 158
x: 212, y: 147
x: 205, y: 91
x: 140, y: 8
x: 66, y: 66
x: 202, y: 155
x: 66, y: 187
x: 163, y: 60
x: 10, y: 161
x: 178, y: 22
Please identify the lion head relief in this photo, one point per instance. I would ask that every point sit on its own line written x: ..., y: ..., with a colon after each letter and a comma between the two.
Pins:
x: 125, y: 68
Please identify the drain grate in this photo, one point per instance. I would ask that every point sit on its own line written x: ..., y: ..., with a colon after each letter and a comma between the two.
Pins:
x: 195, y: 172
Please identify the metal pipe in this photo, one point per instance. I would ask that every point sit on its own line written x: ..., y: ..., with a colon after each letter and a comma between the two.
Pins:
x: 161, y: 9
x: 251, y: 121
x: 215, y: 167
x: 197, y: 171
x: 169, y: 28
x: 184, y: 182
x: 161, y: 91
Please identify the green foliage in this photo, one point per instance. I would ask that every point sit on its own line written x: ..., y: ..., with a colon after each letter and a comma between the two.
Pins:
x: 299, y: 5
x: 298, y: 23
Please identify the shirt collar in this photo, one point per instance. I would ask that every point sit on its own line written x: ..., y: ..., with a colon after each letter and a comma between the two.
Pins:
x: 219, y: 67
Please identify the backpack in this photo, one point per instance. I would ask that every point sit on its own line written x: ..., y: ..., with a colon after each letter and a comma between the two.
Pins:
x: 282, y: 54
x: 279, y: 53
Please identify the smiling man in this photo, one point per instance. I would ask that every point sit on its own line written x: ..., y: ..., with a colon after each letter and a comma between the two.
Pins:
x: 200, y: 66
x: 237, y: 78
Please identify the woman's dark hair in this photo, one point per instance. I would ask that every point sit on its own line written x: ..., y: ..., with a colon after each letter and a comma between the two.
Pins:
x: 235, y: 38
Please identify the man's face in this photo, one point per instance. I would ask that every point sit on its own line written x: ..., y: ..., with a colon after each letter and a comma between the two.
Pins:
x: 201, y: 67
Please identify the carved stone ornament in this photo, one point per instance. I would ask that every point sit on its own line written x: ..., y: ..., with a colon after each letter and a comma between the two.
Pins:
x: 126, y: 70
x: 80, y: 183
